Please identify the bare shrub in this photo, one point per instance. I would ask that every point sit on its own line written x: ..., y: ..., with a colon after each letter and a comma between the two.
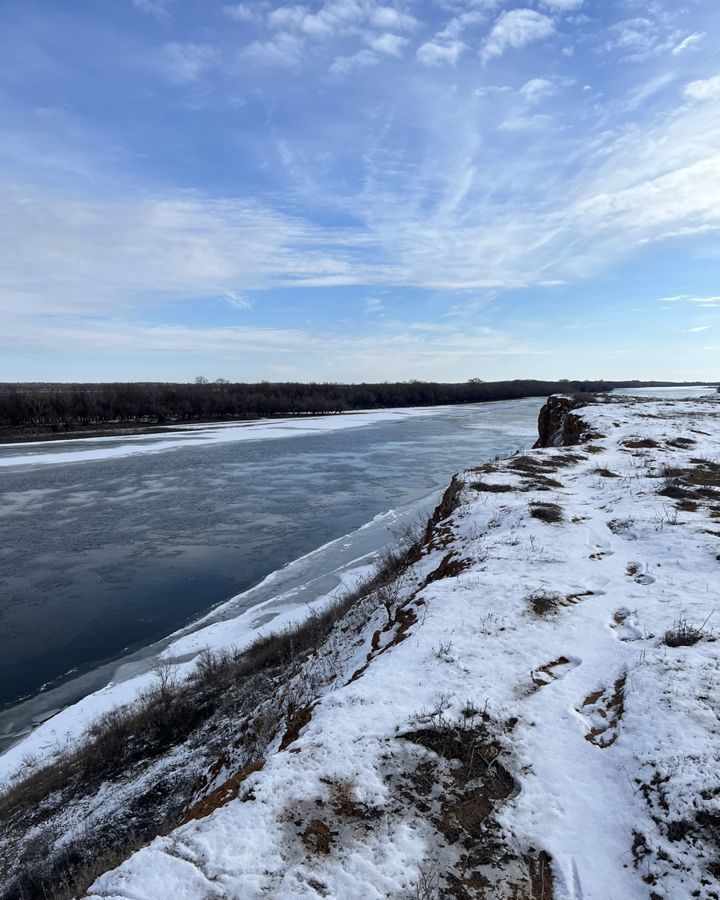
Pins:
x: 684, y: 634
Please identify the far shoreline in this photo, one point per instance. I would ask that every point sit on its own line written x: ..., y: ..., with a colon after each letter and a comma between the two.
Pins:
x: 10, y: 435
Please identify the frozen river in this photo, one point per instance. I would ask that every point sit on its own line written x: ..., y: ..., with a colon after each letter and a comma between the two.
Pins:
x: 109, y: 545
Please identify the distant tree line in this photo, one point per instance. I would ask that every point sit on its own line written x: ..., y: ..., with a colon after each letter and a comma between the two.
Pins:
x: 70, y: 407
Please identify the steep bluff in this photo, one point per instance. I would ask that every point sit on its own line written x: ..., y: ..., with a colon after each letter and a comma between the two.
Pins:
x: 557, y: 424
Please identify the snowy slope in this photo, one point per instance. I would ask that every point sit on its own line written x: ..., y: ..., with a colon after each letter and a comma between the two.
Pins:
x: 508, y: 719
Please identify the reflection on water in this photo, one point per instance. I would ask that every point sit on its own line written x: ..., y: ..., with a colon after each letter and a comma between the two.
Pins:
x: 99, y: 556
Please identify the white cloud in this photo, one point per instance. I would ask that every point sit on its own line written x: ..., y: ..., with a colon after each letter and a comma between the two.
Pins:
x: 374, y: 305
x: 449, y: 209
x: 433, y: 53
x: 391, y: 352
x: 363, y: 59
x: 562, y: 5
x: 643, y: 37
x: 459, y: 24
x: 287, y: 17
x: 687, y: 42
x: 521, y: 123
x: 697, y: 330
x: 184, y: 63
x: 240, y: 12
x: 341, y: 17
x: 238, y: 301
x: 537, y: 88
x: 388, y: 44
x: 283, y: 50
x: 515, y: 29
x: 158, y: 8
x: 706, y: 89
x: 689, y: 298
x: 389, y: 17
x: 99, y: 257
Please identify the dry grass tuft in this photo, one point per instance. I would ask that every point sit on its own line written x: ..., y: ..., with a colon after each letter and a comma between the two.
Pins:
x: 492, y: 488
x: 640, y: 443
x: 684, y: 634
x: 550, y: 513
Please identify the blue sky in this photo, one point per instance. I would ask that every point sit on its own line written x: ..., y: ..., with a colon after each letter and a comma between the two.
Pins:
x: 353, y: 190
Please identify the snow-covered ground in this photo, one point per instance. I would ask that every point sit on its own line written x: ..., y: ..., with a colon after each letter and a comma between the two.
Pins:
x: 511, y: 718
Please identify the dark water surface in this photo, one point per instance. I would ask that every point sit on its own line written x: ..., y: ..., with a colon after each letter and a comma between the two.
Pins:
x: 98, y: 556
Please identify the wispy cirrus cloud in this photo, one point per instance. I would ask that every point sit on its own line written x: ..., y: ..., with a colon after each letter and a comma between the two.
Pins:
x: 713, y: 300
x: 687, y: 42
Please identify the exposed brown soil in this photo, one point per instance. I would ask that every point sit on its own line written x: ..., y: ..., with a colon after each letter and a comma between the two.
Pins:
x: 541, y: 877
x: 318, y: 837
x: 222, y: 795
x: 610, y: 707
x: 297, y: 721
x: 544, y: 675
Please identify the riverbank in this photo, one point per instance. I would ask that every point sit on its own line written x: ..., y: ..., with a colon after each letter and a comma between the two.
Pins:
x: 61, y: 412
x: 524, y: 707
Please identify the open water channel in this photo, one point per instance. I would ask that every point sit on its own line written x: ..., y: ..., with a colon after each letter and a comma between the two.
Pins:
x: 107, y: 546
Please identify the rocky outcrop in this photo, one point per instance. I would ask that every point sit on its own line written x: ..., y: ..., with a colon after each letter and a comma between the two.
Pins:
x: 558, y: 425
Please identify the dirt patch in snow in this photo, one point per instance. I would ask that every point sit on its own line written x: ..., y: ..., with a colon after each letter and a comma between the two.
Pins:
x: 457, y: 787
x: 222, y: 795
x: 603, y: 711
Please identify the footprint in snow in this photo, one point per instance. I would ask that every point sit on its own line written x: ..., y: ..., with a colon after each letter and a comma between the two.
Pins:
x: 600, y: 552
x: 644, y: 579
x: 625, y: 625
x: 553, y: 671
x: 633, y: 570
x: 602, y: 712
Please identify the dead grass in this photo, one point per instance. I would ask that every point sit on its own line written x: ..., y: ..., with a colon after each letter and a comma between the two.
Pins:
x: 550, y: 513
x: 545, y: 603
x: 605, y: 473
x: 640, y: 443
x: 492, y: 488
x: 684, y: 634
x: 696, y: 483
